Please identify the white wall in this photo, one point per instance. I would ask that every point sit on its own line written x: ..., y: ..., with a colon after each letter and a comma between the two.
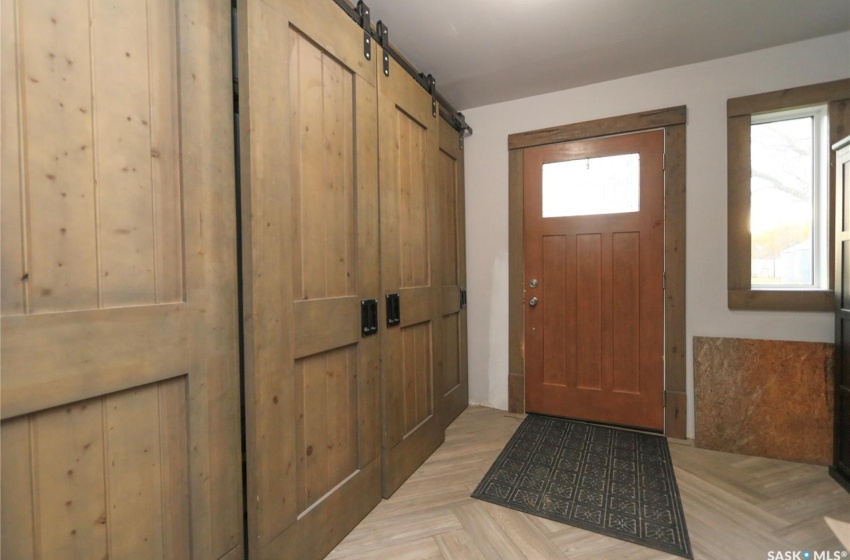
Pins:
x: 704, y: 88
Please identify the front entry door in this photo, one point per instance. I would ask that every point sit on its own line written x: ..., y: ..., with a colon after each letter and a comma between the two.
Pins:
x: 594, y: 267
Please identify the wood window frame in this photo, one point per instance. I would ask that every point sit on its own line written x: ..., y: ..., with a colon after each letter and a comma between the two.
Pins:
x: 739, y: 112
x: 673, y: 121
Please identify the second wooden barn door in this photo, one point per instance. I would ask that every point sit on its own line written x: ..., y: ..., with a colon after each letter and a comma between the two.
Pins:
x: 120, y: 366
x: 453, y: 383
x: 408, y: 134
x: 310, y: 232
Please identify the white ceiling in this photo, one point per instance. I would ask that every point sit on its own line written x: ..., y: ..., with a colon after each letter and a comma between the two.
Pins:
x: 486, y: 51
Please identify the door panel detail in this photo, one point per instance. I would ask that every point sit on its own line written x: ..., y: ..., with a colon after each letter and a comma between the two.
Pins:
x: 412, y: 195
x: 102, y: 476
x: 559, y: 354
x: 323, y: 173
x: 417, y: 375
x: 103, y: 227
x: 326, y: 388
x: 626, y: 329
x: 589, y: 310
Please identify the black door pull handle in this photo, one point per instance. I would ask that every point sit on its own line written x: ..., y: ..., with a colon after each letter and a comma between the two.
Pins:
x: 393, y: 310
x: 368, y: 317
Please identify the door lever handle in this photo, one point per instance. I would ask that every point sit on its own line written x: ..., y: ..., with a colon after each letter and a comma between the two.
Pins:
x: 533, y: 301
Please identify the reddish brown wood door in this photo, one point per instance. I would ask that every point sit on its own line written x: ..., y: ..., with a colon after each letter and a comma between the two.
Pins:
x: 594, y: 267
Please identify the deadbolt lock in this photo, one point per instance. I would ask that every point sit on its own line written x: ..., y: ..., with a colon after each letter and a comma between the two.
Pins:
x: 533, y: 283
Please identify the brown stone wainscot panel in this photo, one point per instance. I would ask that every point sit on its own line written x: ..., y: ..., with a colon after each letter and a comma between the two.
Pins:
x: 767, y: 398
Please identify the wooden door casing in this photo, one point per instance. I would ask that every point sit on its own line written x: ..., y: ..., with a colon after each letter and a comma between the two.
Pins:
x: 594, y: 343
x: 408, y: 136
x: 310, y: 231
x: 120, y: 372
x: 453, y: 383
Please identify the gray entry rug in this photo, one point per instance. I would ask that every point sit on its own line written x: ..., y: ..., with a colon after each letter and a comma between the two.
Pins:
x: 615, y: 482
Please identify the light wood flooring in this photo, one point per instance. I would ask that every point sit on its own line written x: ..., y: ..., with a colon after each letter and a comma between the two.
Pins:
x: 736, y: 507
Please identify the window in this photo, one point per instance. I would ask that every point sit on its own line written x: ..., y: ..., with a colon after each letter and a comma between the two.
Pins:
x: 780, y: 191
x: 584, y: 187
x: 788, y: 199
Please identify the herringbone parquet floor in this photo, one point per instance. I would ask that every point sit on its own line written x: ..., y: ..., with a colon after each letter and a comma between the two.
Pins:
x: 736, y: 507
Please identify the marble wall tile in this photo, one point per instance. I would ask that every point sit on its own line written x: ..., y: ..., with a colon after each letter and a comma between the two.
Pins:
x: 767, y: 398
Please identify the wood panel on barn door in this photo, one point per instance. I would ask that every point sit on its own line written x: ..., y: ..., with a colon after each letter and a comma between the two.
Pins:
x: 310, y: 234
x: 408, y: 134
x: 594, y: 342
x: 120, y: 373
x: 453, y: 384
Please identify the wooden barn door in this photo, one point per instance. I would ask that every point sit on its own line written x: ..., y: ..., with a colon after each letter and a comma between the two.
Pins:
x: 310, y: 232
x: 408, y: 134
x: 120, y: 372
x: 453, y: 382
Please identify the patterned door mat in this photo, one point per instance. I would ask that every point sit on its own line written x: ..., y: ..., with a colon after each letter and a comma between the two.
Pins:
x: 615, y: 482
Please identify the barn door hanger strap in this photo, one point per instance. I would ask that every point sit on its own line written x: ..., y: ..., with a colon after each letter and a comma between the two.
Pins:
x: 384, y: 38
x: 366, y: 25
x: 362, y: 15
x: 458, y: 122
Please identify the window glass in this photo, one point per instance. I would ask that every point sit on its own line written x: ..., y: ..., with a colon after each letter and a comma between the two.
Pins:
x: 768, y: 266
x: 785, y: 207
x: 583, y: 187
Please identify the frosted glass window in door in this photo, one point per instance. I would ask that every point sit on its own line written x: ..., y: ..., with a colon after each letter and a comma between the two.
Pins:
x: 584, y: 187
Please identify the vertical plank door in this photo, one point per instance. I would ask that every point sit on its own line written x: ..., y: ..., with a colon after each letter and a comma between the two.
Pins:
x: 310, y: 237
x: 594, y: 267
x: 408, y: 138
x: 120, y: 370
x: 453, y: 384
